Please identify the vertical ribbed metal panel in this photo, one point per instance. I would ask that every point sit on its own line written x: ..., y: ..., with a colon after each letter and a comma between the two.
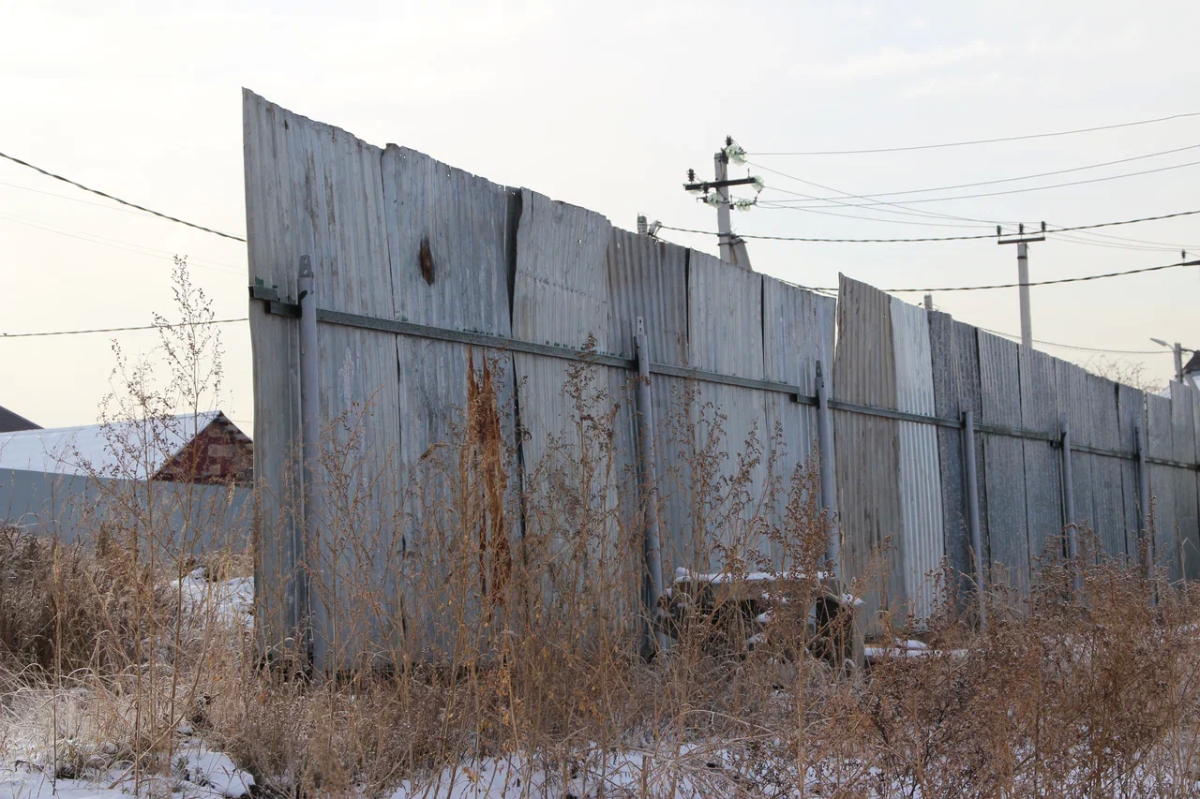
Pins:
x: 315, y: 190
x: 955, y: 355
x: 868, y: 448
x: 560, y: 296
x: 1196, y: 438
x: 797, y: 332
x: 274, y: 258
x: 648, y: 278
x: 1000, y: 380
x: 1108, y: 519
x: 1043, y: 486
x: 1183, y: 446
x: 924, y: 544
x: 448, y: 243
x: 1075, y: 400
x: 1131, y: 411
x: 725, y: 335
x: 1167, y: 543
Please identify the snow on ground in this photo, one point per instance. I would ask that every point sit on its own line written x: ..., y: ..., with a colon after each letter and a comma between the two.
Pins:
x: 229, y: 601
x: 196, y: 773
x: 693, y: 772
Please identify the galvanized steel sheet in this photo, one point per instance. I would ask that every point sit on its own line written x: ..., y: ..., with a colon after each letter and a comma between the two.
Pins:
x: 315, y: 190
x: 868, y: 447
x: 1075, y: 401
x: 1167, y: 541
x: 1043, y: 484
x: 1005, y: 458
x: 1131, y: 414
x: 560, y: 297
x: 924, y: 545
x: 648, y: 279
x: 1183, y: 447
x: 449, y: 237
x: 954, y: 353
x: 725, y: 335
x: 797, y: 333
x: 1108, y: 508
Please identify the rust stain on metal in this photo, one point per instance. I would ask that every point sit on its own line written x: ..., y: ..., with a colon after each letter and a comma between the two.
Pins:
x: 484, y: 467
x: 425, y: 259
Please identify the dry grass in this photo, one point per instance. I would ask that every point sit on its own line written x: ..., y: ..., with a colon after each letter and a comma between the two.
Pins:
x: 503, y: 621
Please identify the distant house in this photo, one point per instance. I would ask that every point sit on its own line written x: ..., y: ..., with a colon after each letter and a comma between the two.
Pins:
x: 12, y: 422
x: 69, y: 480
x: 1191, y: 371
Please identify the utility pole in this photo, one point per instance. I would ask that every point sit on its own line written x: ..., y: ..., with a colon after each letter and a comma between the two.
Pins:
x: 929, y: 302
x: 1022, y: 241
x: 732, y: 247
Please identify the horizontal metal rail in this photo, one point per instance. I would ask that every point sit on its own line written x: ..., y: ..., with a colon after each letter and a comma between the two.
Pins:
x: 406, y: 328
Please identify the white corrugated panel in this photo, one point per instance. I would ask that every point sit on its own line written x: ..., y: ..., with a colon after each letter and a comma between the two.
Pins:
x: 923, y: 547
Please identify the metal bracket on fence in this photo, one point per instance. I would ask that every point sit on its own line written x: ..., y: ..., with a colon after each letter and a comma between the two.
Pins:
x: 271, y: 302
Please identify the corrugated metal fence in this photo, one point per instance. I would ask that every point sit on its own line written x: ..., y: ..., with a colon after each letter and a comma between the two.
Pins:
x: 449, y: 301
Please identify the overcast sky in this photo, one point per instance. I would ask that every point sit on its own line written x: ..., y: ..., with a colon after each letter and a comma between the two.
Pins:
x: 604, y: 105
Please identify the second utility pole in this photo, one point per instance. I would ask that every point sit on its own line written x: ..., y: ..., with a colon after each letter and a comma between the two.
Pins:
x: 732, y: 247
x: 1022, y: 241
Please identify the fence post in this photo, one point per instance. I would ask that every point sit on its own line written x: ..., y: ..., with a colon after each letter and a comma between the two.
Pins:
x: 650, y: 482
x: 833, y: 550
x: 1069, y: 504
x: 972, y: 488
x: 309, y: 614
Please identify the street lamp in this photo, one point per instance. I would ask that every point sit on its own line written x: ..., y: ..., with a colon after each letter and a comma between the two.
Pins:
x: 1177, y: 350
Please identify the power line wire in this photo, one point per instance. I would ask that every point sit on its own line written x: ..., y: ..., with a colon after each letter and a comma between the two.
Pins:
x: 120, y: 329
x: 1051, y: 173
x: 116, y: 244
x: 935, y: 238
x: 1024, y: 190
x: 899, y: 208
x: 986, y: 141
x: 1079, y: 347
x: 903, y: 209
x: 99, y: 193
x: 1054, y: 282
